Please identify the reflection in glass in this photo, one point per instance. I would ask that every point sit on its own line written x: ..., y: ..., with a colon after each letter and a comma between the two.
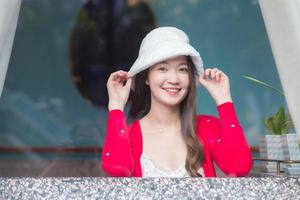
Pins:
x: 105, y: 38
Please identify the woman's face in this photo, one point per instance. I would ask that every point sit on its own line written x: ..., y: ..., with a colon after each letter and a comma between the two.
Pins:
x: 169, y: 81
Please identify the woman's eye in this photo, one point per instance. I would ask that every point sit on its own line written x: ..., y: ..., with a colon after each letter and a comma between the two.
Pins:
x: 162, y: 69
x: 183, y: 69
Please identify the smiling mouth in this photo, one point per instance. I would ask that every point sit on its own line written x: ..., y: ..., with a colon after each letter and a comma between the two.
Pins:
x: 172, y: 90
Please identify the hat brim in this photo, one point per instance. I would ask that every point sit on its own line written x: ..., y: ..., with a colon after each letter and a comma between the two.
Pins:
x: 167, y: 50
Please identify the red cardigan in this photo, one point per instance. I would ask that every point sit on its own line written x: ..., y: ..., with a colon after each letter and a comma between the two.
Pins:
x: 222, y: 139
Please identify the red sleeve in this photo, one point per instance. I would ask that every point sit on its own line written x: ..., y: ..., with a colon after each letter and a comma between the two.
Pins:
x: 117, y: 159
x: 227, y: 143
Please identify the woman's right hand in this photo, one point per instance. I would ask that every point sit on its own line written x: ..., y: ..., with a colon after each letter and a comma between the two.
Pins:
x: 118, y: 91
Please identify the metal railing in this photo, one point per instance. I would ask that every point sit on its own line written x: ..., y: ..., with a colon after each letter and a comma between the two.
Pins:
x: 278, y: 162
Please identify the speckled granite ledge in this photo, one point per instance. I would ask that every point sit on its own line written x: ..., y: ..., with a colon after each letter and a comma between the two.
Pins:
x: 149, y: 188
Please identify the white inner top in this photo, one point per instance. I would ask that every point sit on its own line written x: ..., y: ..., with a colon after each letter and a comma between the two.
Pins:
x: 150, y: 169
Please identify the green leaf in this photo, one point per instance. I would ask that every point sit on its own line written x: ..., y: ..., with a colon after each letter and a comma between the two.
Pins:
x: 288, y: 124
x: 271, y: 125
x: 268, y: 125
x: 276, y: 120
x: 279, y: 120
x: 263, y: 84
x: 277, y: 124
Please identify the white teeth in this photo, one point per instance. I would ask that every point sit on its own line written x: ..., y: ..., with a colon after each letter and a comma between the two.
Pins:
x: 171, y: 89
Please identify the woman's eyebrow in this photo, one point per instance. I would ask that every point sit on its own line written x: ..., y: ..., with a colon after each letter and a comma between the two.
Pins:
x: 182, y: 63
x: 166, y: 62
x: 163, y: 62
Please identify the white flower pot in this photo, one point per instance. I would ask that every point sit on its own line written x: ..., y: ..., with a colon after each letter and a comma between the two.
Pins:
x: 290, y: 147
x: 270, y: 147
x: 280, y: 147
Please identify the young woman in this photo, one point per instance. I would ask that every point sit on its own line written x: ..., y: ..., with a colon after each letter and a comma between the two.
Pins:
x: 166, y: 138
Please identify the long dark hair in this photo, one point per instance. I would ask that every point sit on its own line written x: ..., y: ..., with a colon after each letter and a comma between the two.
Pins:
x: 140, y: 103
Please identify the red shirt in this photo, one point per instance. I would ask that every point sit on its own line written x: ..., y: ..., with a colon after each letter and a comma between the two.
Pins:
x: 222, y: 139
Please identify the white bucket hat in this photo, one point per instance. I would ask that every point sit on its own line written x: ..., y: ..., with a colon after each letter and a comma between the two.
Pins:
x: 161, y: 44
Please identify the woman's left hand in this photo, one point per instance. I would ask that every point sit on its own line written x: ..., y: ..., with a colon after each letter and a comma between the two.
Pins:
x: 217, y: 84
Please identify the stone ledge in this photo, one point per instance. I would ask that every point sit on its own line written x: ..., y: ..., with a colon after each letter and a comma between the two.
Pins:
x: 149, y: 188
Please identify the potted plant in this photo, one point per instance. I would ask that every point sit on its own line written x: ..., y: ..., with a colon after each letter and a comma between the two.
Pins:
x: 279, y: 126
x: 280, y: 143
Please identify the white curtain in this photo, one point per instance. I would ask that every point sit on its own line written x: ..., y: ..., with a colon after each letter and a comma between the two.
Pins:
x: 9, y: 12
x: 282, y: 21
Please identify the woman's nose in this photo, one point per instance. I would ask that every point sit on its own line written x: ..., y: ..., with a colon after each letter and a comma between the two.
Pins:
x: 173, y: 77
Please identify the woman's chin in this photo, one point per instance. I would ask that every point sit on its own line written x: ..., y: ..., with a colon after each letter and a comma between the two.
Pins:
x: 172, y: 101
